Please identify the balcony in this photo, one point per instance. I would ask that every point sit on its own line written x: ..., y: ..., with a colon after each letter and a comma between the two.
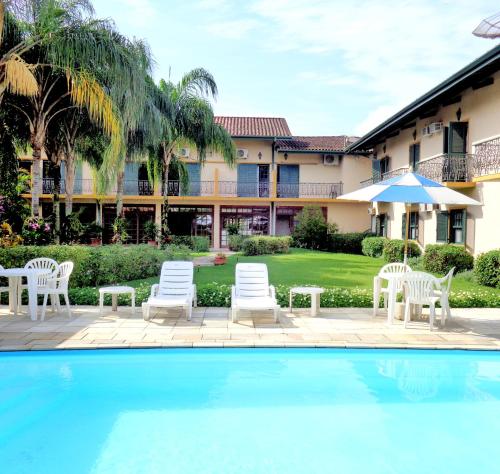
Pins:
x: 194, y: 188
x: 244, y: 189
x: 309, y: 190
x: 81, y: 186
x: 383, y: 176
x: 139, y: 187
x: 487, y: 157
x: 448, y: 168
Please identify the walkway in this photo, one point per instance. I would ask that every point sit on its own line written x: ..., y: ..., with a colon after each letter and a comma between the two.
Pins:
x: 211, y: 327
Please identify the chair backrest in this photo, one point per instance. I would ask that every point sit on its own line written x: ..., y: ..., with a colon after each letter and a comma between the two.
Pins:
x: 395, y: 267
x: 63, y: 274
x: 176, y: 278
x: 449, y: 278
x: 252, y: 280
x: 43, y: 263
x: 419, y: 285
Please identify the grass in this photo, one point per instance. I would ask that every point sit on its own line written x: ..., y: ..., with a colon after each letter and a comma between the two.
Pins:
x: 308, y: 267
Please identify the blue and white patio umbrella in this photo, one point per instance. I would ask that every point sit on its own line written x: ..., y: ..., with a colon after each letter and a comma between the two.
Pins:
x: 410, y: 188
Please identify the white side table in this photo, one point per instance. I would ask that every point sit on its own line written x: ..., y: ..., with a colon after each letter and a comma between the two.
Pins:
x: 314, y: 291
x: 114, y: 291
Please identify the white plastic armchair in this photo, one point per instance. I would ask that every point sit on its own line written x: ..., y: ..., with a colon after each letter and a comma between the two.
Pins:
x: 420, y: 290
x: 443, y: 286
x: 3, y: 289
x: 176, y: 289
x: 252, y: 290
x: 56, y: 286
x: 41, y: 263
x: 378, y: 289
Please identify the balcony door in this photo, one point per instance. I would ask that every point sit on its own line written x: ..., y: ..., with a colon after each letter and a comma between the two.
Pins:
x: 253, y: 180
x: 194, y: 186
x: 414, y: 156
x: 77, y: 187
x: 455, y: 166
x: 288, y: 181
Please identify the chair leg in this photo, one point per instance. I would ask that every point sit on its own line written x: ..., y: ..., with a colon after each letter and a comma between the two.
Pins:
x: 145, y: 311
x: 385, y: 301
x: 432, y: 314
x: 68, y: 307
x: 443, y: 313
x: 407, y: 313
x: 189, y: 308
x: 44, y: 305
x: 276, y: 314
x: 234, y: 317
x: 448, y: 309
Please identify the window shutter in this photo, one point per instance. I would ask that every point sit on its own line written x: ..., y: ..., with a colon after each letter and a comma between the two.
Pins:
x: 446, y: 132
x: 376, y: 169
x: 247, y: 180
x: 457, y: 138
x: 442, y: 227
x: 403, y: 228
x: 130, y: 181
x: 194, y: 173
x: 78, y: 179
x: 464, y: 227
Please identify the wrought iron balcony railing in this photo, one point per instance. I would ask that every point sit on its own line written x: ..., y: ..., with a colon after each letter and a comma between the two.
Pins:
x: 376, y: 178
x: 448, y: 167
x: 81, y: 186
x: 193, y: 188
x: 309, y: 190
x: 244, y: 189
x: 141, y: 187
x: 487, y: 157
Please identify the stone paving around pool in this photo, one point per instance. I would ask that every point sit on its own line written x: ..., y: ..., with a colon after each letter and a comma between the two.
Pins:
x: 212, y: 327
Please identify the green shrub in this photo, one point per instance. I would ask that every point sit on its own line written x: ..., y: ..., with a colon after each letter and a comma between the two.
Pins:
x: 262, y: 245
x: 349, y: 242
x: 487, y: 268
x: 96, y: 266
x: 441, y: 258
x: 235, y: 242
x: 373, y: 246
x: 181, y: 240
x: 200, y: 244
x: 312, y: 230
x: 416, y: 264
x: 394, y: 250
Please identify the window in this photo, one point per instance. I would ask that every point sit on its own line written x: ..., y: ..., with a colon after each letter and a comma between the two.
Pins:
x: 451, y: 226
x: 414, y: 156
x: 381, y: 225
x: 384, y: 165
x: 288, y: 181
x: 413, y: 226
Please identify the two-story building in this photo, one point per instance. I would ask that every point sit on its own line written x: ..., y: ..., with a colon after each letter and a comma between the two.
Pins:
x: 275, y: 176
x: 451, y: 135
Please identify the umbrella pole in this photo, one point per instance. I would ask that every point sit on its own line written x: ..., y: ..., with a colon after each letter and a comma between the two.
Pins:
x: 405, y: 260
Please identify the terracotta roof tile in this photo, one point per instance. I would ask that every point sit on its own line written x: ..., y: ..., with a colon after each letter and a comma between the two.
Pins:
x: 321, y: 144
x: 255, y: 126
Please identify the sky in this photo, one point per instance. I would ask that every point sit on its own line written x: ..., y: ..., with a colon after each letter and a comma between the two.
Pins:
x: 329, y: 67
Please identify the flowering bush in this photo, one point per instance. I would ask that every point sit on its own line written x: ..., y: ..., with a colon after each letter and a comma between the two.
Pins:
x: 8, y: 238
x: 36, y: 231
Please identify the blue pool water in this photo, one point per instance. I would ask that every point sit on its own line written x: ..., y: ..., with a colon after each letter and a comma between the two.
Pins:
x: 250, y: 411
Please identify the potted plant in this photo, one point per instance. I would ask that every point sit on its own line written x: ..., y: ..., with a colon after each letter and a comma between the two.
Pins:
x: 151, y: 232
x: 120, y: 235
x: 220, y: 259
x: 94, y: 232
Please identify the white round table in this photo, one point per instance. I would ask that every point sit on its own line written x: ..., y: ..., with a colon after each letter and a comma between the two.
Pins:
x: 314, y: 291
x: 114, y: 291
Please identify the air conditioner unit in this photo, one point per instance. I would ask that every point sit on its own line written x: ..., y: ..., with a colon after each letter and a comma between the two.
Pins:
x: 242, y: 153
x: 184, y: 152
x: 432, y: 128
x: 331, y: 160
x: 428, y: 207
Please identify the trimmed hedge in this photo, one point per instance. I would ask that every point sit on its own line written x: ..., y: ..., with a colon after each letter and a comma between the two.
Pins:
x: 194, y: 242
x: 235, y: 242
x: 217, y: 295
x: 442, y: 258
x: 394, y: 250
x: 266, y: 245
x: 349, y: 242
x: 373, y: 246
x: 94, y: 266
x: 487, y: 268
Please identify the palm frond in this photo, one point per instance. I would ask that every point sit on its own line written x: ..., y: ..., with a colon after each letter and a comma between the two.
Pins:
x: 198, y: 81
x: 18, y: 77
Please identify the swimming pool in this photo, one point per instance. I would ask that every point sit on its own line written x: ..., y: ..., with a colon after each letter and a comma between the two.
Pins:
x: 249, y: 411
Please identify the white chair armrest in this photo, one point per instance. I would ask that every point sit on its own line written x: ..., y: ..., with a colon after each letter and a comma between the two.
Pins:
x: 272, y: 291
x: 154, y: 289
x: 440, y: 282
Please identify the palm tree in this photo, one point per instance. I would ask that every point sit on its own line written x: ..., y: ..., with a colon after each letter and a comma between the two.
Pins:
x: 102, y: 57
x: 188, y: 120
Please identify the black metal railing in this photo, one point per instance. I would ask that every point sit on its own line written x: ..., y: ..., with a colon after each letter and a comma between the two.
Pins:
x: 244, y: 189
x: 377, y: 177
x: 309, y: 190
x: 81, y: 186
x: 140, y: 187
x: 448, y: 167
x: 193, y: 188
x: 487, y: 157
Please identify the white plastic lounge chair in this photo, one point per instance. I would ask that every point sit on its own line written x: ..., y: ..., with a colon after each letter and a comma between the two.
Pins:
x: 57, y: 285
x: 378, y: 289
x: 443, y: 286
x: 252, y: 290
x: 419, y: 289
x: 41, y: 263
x: 3, y: 289
x: 176, y: 289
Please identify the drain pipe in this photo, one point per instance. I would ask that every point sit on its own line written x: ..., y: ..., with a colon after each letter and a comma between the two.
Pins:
x: 273, y: 204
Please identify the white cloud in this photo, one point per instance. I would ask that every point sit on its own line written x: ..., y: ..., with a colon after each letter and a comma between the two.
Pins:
x: 232, y: 29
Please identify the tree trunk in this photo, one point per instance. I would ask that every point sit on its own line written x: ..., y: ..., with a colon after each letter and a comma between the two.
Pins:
x: 119, y: 193
x: 69, y: 183
x: 165, y: 230
x: 55, y: 174
x: 36, y: 179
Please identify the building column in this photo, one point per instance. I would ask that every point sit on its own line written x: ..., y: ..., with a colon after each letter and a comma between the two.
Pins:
x: 158, y: 214
x: 216, y: 227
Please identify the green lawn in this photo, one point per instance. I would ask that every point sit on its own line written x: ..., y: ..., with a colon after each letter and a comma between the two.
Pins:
x: 308, y: 267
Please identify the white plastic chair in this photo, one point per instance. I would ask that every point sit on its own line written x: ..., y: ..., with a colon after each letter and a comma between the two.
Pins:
x: 252, y: 290
x: 3, y: 289
x: 56, y: 286
x: 176, y: 289
x: 443, y: 286
x: 420, y: 290
x: 41, y: 263
x: 378, y: 289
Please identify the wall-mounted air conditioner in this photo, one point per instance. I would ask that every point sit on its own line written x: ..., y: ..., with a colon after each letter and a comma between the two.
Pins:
x: 331, y: 160
x: 432, y: 128
x: 242, y: 153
